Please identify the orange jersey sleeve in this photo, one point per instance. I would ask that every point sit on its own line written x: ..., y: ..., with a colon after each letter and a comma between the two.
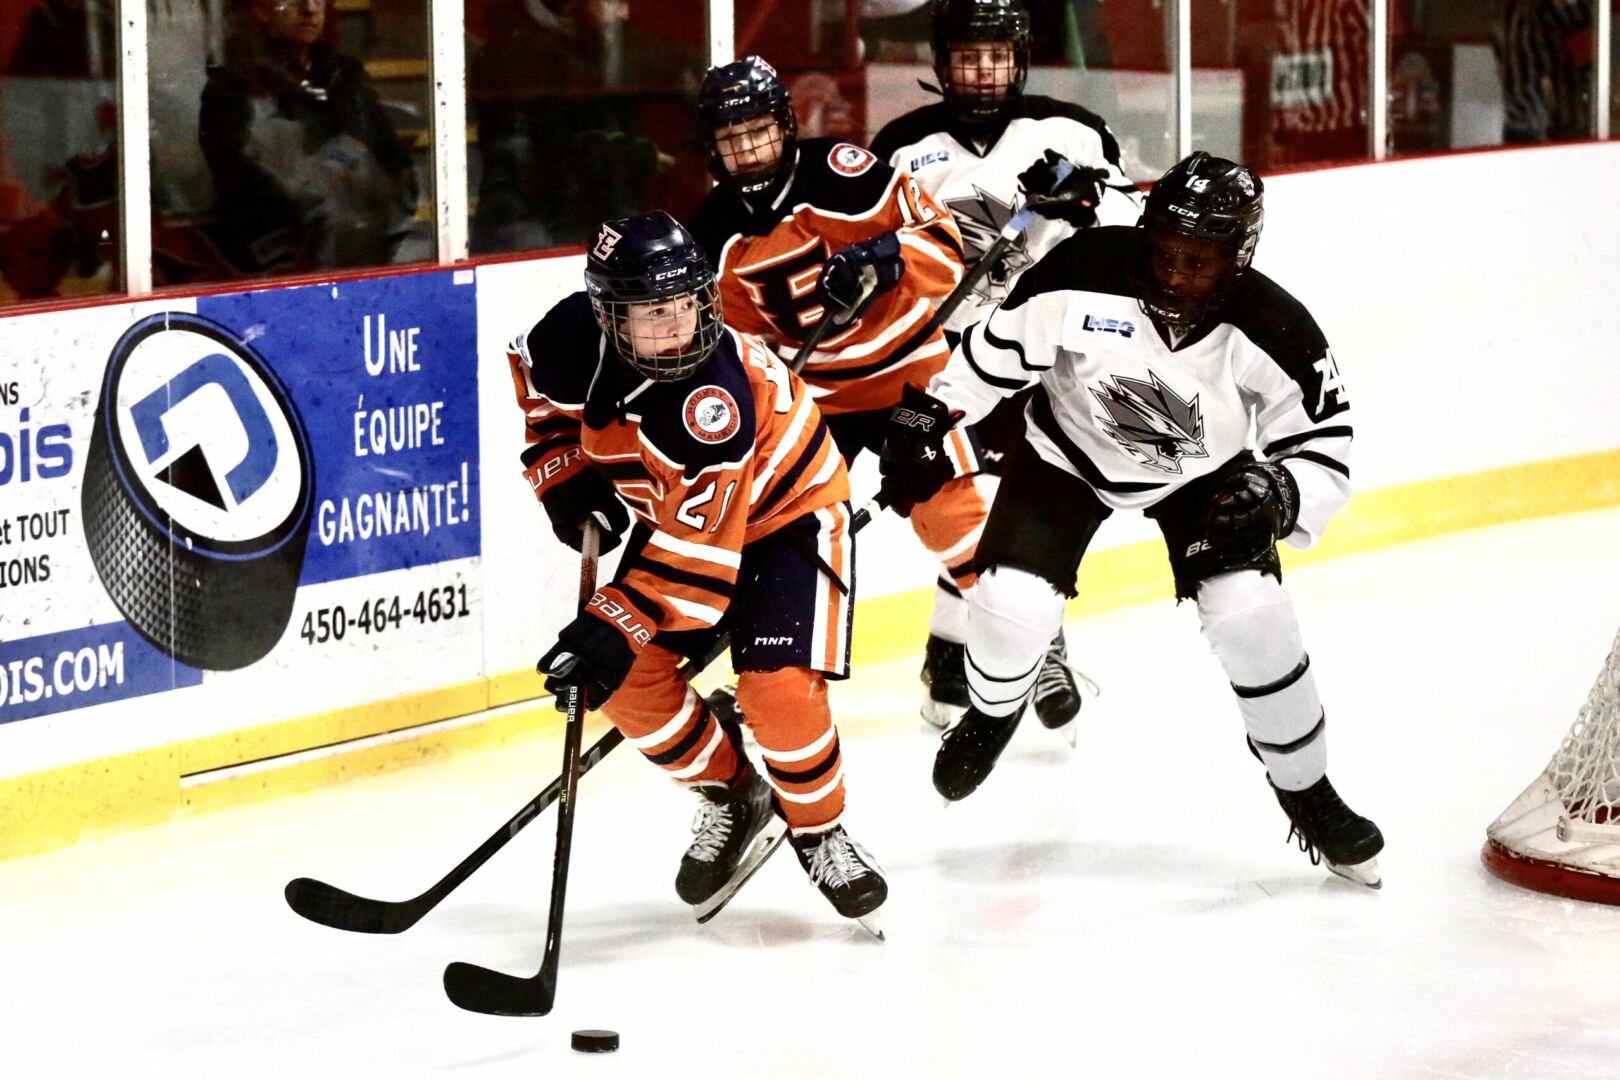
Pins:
x: 841, y: 195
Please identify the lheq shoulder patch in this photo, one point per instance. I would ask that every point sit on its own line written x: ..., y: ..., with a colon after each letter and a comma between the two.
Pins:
x: 850, y: 160
x: 199, y: 479
x: 711, y: 415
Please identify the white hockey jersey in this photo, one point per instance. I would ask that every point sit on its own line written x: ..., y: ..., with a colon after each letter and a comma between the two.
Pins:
x: 974, y: 172
x: 1136, y: 415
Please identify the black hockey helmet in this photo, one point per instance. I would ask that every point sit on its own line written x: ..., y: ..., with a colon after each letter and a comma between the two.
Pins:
x: 654, y: 294
x: 735, y: 93
x: 965, y: 22
x: 1202, y: 220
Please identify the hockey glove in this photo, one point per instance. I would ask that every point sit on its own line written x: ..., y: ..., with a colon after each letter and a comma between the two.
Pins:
x: 859, y: 274
x: 586, y: 494
x: 1255, y: 506
x: 597, y: 650
x: 913, y: 461
x: 1073, y: 199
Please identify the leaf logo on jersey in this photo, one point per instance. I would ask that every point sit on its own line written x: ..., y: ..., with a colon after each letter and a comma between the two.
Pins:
x: 785, y: 290
x: 980, y: 219
x: 1154, y: 424
x: 711, y: 414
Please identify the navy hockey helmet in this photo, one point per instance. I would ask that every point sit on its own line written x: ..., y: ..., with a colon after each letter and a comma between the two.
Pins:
x: 1202, y: 221
x: 654, y: 294
x: 978, y: 91
x: 735, y: 94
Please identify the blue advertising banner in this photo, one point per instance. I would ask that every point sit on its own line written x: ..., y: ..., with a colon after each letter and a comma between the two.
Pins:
x: 385, y: 375
x: 200, y: 489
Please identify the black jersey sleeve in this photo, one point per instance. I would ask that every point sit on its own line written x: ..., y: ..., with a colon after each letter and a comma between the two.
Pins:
x: 1099, y: 260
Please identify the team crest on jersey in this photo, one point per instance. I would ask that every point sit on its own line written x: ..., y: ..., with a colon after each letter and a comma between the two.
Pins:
x: 850, y: 160
x: 1155, y: 425
x: 980, y: 217
x: 606, y: 241
x: 711, y: 414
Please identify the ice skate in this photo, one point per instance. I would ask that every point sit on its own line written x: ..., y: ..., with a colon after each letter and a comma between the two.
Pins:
x: 737, y: 830
x: 1056, y: 697
x: 944, y: 673
x: 846, y: 874
x: 968, y: 752
x: 1330, y: 831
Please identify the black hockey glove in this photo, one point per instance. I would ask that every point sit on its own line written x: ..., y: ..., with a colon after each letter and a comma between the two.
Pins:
x: 913, y: 461
x: 584, y: 495
x: 1255, y: 507
x: 1073, y: 199
x: 859, y: 274
x: 597, y: 650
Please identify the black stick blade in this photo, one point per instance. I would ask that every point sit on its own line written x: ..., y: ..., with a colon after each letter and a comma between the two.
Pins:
x: 341, y: 910
x: 495, y: 993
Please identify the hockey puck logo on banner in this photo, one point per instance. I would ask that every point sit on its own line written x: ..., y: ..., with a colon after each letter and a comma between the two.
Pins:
x: 850, y: 160
x: 198, y: 489
x: 711, y: 414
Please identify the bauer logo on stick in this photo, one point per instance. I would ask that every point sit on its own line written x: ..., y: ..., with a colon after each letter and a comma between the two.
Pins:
x: 198, y: 490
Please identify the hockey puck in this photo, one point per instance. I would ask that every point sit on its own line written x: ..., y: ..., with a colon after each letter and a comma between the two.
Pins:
x: 198, y: 489
x: 595, y: 1041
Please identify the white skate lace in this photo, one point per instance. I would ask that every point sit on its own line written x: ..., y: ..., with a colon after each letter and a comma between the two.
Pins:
x: 713, y: 827
x: 838, y: 860
x: 1056, y: 671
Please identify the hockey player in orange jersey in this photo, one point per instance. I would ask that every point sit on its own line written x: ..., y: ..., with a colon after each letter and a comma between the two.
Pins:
x: 740, y: 502
x: 802, y: 227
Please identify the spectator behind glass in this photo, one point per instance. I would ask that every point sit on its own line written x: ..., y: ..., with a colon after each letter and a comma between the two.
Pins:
x: 1544, y: 49
x: 563, y: 91
x: 308, y: 171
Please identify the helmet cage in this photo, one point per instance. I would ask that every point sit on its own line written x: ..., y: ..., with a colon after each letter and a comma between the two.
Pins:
x: 1207, y: 199
x: 968, y: 22
x: 675, y: 353
x: 734, y: 94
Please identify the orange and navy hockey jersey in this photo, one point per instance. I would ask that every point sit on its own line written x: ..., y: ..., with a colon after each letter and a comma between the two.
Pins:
x: 769, y: 262
x: 708, y: 464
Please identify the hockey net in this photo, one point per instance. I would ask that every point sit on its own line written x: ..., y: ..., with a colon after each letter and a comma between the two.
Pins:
x: 1562, y: 835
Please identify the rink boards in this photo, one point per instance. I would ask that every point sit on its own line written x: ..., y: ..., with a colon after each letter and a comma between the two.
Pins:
x: 255, y: 541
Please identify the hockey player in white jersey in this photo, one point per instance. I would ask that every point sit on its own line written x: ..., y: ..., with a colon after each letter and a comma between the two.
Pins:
x: 1153, y: 350
x: 980, y: 151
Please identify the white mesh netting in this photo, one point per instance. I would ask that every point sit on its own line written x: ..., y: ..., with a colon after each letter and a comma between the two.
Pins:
x: 1563, y: 833
x: 1586, y: 770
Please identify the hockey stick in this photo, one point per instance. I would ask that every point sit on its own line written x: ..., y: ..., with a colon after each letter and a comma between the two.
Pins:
x: 480, y: 989
x: 484, y: 990
x: 811, y: 343
x: 1008, y: 236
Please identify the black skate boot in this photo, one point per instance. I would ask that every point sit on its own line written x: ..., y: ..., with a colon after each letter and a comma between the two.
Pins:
x: 968, y: 751
x: 737, y: 830
x: 1329, y: 830
x: 944, y: 672
x: 846, y: 874
x: 1057, y: 698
